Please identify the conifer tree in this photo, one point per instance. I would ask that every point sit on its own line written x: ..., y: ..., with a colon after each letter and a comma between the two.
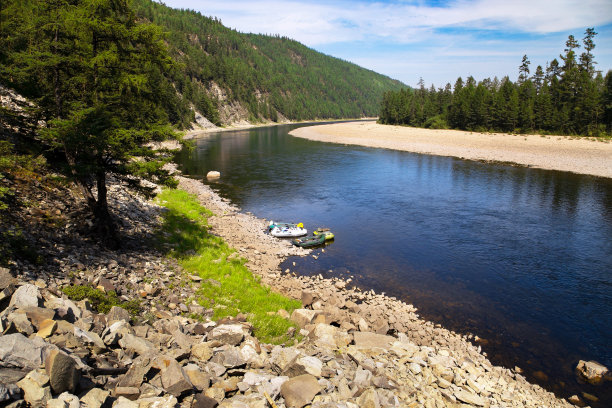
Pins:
x: 94, y: 72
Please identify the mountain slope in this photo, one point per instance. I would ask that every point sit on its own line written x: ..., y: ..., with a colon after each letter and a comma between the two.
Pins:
x: 229, y: 76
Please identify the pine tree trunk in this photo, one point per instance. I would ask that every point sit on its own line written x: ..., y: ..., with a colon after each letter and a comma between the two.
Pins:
x: 104, y: 222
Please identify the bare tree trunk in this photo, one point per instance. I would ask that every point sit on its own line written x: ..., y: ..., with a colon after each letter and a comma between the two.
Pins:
x: 104, y: 222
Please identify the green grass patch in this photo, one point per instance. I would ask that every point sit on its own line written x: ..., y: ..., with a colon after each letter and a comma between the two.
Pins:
x: 101, y: 301
x: 228, y: 285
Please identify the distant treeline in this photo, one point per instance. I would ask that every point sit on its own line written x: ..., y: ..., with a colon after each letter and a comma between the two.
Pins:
x: 571, y: 97
x: 272, y: 77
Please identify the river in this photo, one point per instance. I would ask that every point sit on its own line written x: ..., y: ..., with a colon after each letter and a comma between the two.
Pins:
x: 520, y: 257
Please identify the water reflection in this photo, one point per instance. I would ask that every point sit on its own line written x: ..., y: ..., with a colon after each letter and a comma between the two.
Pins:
x: 521, y: 257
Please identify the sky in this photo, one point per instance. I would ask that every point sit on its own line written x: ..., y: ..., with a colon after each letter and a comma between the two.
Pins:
x: 436, y: 40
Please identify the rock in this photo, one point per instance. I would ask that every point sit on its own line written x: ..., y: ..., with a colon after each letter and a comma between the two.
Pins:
x: 300, y: 391
x: 47, y: 328
x: 25, y: 296
x: 307, y: 298
x: 131, y: 393
x: 95, y: 398
x: 20, y: 322
x: 167, y: 401
x: 576, y: 400
x: 363, y: 378
x: 64, y: 400
x: 200, y: 380
x: 326, y: 335
x: 204, y: 401
x: 65, y: 308
x: 591, y: 371
x: 368, y: 399
x: 36, y: 388
x: 132, y: 343
x: 282, y: 357
x: 213, y: 174
x: 105, y: 285
x: 16, y: 350
x: 9, y: 391
x: 117, y: 313
x: 231, y: 334
x: 62, y: 371
x: 216, y: 393
x: 201, y: 351
x: 123, y: 402
x: 470, y: 398
x: 173, y: 378
x: 303, y: 317
x: 37, y: 315
x: 373, y: 340
x: 231, y: 358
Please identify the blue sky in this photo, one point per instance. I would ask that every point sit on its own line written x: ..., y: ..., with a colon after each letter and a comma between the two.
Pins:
x: 434, y: 39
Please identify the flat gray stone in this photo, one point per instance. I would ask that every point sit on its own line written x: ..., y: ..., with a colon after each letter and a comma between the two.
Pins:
x: 137, y: 344
x: 470, y: 398
x: 372, y: 340
x: 231, y: 334
x: 16, y: 350
x: 25, y: 296
x: 95, y: 398
x: 300, y: 391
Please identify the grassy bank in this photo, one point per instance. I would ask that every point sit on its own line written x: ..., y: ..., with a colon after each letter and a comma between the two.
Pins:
x: 228, y: 287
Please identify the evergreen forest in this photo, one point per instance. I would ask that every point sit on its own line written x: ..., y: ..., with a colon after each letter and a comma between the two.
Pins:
x: 272, y: 77
x: 571, y: 97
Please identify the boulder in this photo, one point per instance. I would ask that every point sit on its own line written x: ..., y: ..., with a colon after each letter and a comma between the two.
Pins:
x: 36, y: 390
x: 139, y: 345
x: 117, y: 313
x: 201, y: 351
x: 213, y: 174
x: 25, y: 296
x: 62, y: 371
x: 37, y: 315
x: 16, y: 350
x: 167, y: 401
x: 591, y: 371
x: 64, y: 400
x: 95, y: 398
x: 231, y: 334
x: 303, y: 317
x: 47, y: 328
x: 203, y: 401
x: 173, y: 378
x: 369, y: 399
x: 300, y: 391
x: 372, y: 340
x: 65, y: 308
x: 470, y: 398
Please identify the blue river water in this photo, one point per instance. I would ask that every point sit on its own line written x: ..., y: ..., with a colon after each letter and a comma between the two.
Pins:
x: 520, y: 257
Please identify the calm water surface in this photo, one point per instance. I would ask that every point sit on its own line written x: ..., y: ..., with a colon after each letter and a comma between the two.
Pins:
x: 520, y: 257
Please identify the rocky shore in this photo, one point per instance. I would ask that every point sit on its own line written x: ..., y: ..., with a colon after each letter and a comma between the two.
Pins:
x: 359, y: 349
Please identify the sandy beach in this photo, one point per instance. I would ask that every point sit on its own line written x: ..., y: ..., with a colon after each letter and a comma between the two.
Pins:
x: 561, y: 153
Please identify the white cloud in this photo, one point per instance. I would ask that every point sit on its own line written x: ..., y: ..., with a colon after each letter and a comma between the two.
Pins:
x: 316, y: 23
x: 409, y: 39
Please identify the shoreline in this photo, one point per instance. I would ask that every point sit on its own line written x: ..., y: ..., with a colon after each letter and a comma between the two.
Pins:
x: 560, y: 153
x: 339, y: 304
x: 194, y: 134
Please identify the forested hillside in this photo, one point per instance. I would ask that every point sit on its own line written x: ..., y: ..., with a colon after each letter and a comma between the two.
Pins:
x: 230, y: 76
x: 572, y: 97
